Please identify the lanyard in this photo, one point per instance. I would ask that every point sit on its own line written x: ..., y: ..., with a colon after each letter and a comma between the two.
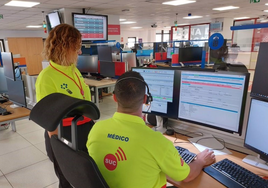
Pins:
x: 80, y: 87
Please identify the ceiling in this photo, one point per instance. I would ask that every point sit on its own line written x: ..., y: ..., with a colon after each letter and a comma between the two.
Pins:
x: 143, y: 12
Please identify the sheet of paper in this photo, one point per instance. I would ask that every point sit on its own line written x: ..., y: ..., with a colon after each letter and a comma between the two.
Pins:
x: 209, y: 142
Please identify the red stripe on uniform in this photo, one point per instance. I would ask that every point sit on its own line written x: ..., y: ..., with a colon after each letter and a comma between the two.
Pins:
x: 123, y: 153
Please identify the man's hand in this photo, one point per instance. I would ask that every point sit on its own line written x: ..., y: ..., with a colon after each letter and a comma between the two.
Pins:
x: 206, y: 157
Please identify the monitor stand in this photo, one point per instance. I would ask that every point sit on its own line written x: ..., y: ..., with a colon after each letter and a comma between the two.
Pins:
x: 159, y: 124
x: 255, y: 161
x: 14, y: 106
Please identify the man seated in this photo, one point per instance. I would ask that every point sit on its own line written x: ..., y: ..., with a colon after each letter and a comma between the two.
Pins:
x: 129, y: 153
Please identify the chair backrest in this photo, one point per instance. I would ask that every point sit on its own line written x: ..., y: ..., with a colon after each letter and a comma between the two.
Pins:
x: 77, y: 166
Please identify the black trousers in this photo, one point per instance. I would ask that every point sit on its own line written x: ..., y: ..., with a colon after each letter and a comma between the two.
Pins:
x: 82, y: 133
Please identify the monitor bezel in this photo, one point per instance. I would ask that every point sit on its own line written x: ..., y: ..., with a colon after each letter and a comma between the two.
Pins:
x: 181, y: 54
x: 13, y: 76
x: 263, y: 155
x: 243, y: 105
x: 24, y: 94
x: 100, y: 15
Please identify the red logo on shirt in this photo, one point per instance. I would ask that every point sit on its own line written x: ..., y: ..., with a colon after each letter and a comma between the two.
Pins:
x: 110, y: 160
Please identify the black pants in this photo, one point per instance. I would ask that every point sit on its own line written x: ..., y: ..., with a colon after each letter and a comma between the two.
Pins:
x: 82, y: 134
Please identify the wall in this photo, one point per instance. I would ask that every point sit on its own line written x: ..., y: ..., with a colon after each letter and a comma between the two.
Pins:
x: 147, y: 35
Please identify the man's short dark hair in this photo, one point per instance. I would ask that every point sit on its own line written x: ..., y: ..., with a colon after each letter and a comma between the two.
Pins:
x: 130, y: 92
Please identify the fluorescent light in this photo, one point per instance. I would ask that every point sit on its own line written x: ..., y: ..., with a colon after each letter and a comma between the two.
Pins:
x: 22, y: 3
x: 225, y: 8
x: 136, y: 27
x: 178, y: 2
x: 192, y: 17
x: 127, y: 22
x: 266, y: 4
x: 265, y: 11
x: 241, y: 18
x: 121, y: 20
x: 34, y: 26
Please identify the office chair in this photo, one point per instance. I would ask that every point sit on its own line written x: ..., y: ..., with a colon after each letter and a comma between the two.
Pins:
x: 77, y: 166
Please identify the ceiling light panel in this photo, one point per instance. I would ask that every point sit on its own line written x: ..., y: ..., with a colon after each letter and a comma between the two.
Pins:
x: 241, y: 18
x: 128, y: 22
x: 178, y: 2
x: 34, y: 26
x: 225, y: 8
x: 22, y: 3
x: 192, y: 17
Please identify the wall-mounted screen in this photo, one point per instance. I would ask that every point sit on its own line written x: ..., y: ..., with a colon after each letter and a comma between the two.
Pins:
x: 92, y: 27
x: 54, y: 19
x: 213, y: 99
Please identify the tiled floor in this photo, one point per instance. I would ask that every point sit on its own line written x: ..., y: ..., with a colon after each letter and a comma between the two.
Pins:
x: 23, y: 160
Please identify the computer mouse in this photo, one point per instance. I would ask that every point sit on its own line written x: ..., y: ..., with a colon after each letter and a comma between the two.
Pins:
x: 170, y: 132
x: 6, y: 113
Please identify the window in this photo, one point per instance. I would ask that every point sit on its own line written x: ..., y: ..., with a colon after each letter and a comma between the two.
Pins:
x: 165, y: 34
x: 131, y: 42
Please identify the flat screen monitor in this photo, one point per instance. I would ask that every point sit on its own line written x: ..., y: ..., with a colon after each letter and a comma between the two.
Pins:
x: 16, y: 92
x: 256, y: 135
x: 87, y: 63
x: 3, y: 83
x: 261, y: 74
x: 105, y: 53
x: 54, y: 19
x: 190, y: 54
x: 107, y: 69
x: 162, y: 84
x: 92, y: 27
x: 171, y: 51
x: 213, y: 99
x: 9, y: 68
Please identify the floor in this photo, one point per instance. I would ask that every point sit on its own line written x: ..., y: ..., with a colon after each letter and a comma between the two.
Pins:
x: 23, y: 160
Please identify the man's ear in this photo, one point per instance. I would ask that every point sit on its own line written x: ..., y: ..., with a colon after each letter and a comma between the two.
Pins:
x: 145, y: 99
x: 114, y: 97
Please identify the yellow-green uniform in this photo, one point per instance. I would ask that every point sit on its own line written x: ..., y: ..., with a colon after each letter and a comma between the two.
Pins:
x: 51, y: 80
x: 130, y: 154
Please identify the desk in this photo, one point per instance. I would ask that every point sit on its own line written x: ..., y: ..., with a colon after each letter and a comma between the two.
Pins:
x: 17, y: 114
x: 97, y: 84
x: 204, y: 180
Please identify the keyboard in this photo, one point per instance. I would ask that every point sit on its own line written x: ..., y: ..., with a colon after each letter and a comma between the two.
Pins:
x: 233, y: 175
x: 186, y: 155
x: 2, y: 110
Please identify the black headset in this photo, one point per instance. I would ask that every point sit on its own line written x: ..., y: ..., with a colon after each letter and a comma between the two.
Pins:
x: 149, y: 96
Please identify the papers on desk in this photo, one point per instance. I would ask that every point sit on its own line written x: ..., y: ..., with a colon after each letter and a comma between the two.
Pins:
x: 209, y: 142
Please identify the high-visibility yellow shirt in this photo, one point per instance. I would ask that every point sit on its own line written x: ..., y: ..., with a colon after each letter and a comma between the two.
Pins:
x: 130, y: 154
x: 51, y: 80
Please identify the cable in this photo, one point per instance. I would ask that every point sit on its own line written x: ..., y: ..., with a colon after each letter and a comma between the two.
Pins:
x: 177, y: 139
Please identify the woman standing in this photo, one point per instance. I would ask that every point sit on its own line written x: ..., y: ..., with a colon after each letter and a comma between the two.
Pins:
x: 62, y: 48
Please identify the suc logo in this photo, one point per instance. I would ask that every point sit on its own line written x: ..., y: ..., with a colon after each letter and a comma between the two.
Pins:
x: 111, y: 161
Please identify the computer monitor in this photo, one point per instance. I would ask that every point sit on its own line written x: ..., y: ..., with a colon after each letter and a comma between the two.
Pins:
x: 256, y: 138
x: 107, y: 69
x: 3, y: 83
x: 171, y: 51
x: 54, y: 19
x: 87, y: 63
x: 213, y: 99
x: 261, y: 74
x: 91, y: 26
x: 190, y: 54
x: 9, y: 68
x: 162, y: 84
x: 159, y: 47
x: 16, y: 92
x: 105, y: 53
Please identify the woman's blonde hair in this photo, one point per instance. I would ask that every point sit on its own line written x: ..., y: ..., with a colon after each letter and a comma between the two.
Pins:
x: 62, y: 45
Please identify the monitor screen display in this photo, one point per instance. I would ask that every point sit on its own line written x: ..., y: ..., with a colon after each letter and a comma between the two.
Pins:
x: 87, y: 63
x: 208, y: 98
x: 16, y: 92
x: 92, y: 27
x: 256, y: 136
x: 107, y: 69
x: 261, y: 74
x: 190, y: 54
x: 54, y: 19
x: 9, y: 69
x: 162, y: 85
x: 105, y: 53
x: 171, y: 51
x: 3, y: 82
